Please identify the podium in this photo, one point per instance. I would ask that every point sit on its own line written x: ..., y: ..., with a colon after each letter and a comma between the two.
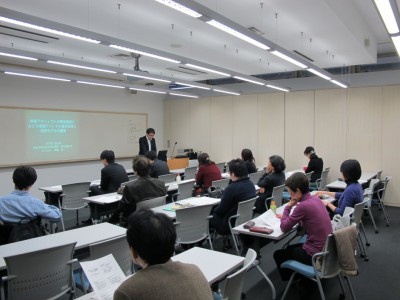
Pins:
x: 177, y: 163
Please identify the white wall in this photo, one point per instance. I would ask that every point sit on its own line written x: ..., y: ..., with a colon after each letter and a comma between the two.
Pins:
x: 360, y: 123
x: 38, y: 93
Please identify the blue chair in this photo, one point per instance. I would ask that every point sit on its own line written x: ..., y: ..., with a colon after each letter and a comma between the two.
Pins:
x: 327, y: 268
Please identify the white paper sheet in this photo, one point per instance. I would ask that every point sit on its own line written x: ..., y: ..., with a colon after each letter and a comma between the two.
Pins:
x: 104, y: 275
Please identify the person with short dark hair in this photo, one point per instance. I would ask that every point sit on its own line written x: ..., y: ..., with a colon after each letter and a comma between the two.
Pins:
x: 274, y: 176
x: 151, y: 239
x: 207, y: 173
x: 147, y: 142
x: 315, y: 164
x: 310, y: 213
x: 240, y: 189
x: 112, y: 175
x: 157, y: 167
x: 353, y: 194
x: 249, y: 159
x: 20, y: 206
x: 142, y: 189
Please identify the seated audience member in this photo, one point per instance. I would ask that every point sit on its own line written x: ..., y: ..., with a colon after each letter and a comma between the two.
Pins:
x: 315, y: 165
x: 151, y: 239
x: 157, y: 167
x: 273, y: 177
x: 142, y: 189
x: 112, y: 175
x: 353, y: 194
x: 310, y: 213
x: 20, y: 206
x: 240, y: 189
x: 207, y: 173
x: 248, y: 158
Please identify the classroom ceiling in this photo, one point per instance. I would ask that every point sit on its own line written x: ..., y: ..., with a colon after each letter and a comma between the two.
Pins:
x: 328, y: 33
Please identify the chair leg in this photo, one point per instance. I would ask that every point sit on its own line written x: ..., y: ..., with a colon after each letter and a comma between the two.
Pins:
x: 365, y: 235
x: 288, y: 286
x: 343, y: 295
x: 321, y: 291
x: 77, y: 218
x: 362, y: 248
x: 350, y: 287
x: 384, y: 213
x: 62, y: 221
x: 210, y: 242
x: 269, y: 282
x: 235, y: 243
x: 372, y: 219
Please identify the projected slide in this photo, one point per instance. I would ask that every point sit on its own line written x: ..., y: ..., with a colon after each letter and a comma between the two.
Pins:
x: 51, y: 134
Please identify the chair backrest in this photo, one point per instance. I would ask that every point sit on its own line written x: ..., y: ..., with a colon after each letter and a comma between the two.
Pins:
x: 245, y: 211
x: 358, y: 211
x: 150, y: 203
x: 254, y: 177
x: 383, y: 189
x: 73, y: 195
x: 330, y: 263
x: 277, y: 194
x: 234, y: 282
x: 308, y: 175
x: 43, y: 274
x: 379, y: 174
x: 185, y: 190
x: 119, y: 248
x: 190, y: 173
x: 167, y: 178
x: 221, y: 183
x: 192, y: 224
x: 324, y: 179
x: 221, y: 166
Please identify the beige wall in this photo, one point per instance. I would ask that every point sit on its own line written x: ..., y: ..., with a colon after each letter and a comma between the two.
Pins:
x: 358, y: 123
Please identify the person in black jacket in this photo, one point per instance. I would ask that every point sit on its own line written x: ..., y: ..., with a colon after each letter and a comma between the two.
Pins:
x: 112, y: 175
x: 157, y: 167
x: 248, y: 158
x: 272, y: 178
x: 315, y: 165
x: 240, y: 189
x: 147, y: 142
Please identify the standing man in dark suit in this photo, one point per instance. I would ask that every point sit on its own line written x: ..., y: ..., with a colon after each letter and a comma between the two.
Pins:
x: 112, y: 175
x: 147, y: 142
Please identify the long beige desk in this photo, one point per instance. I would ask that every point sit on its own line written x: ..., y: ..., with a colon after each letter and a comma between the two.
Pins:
x: 341, y: 185
x: 58, y: 188
x: 100, y: 200
x: 213, y: 264
x: 82, y: 236
x: 196, y: 201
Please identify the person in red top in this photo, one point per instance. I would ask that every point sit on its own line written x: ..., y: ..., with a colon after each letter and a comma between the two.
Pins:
x: 207, y: 173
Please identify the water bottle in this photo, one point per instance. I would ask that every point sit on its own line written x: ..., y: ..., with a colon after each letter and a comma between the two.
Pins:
x: 273, y: 206
x: 178, y: 178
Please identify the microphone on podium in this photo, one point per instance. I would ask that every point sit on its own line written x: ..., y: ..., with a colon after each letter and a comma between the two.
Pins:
x: 172, y: 155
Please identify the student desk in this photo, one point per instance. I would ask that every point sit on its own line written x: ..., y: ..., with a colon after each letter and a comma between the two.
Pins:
x: 339, y: 185
x: 83, y: 236
x: 213, y: 264
x: 102, y: 200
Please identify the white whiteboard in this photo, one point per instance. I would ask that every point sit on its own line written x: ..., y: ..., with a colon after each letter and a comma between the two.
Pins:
x: 41, y: 136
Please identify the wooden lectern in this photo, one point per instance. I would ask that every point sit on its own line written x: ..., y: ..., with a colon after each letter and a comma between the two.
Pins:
x: 177, y: 163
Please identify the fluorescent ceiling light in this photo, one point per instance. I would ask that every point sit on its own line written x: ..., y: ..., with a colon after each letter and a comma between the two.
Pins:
x: 146, y: 77
x: 8, y: 20
x: 226, y: 92
x: 208, y: 70
x: 101, y: 84
x: 35, y: 76
x: 289, y: 59
x: 181, y: 8
x: 237, y: 34
x: 78, y: 66
x: 385, y: 9
x: 319, y: 74
x: 150, y: 91
x: 396, y: 42
x: 181, y: 95
x: 339, y: 84
x: 17, y: 56
x: 248, y: 80
x: 144, y: 53
x: 192, y: 85
x: 277, y: 88
x: 181, y: 88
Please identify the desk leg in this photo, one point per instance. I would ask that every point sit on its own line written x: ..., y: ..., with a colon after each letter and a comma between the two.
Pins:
x: 96, y: 219
x: 269, y: 282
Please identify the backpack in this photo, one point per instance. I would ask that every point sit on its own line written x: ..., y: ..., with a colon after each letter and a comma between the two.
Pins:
x: 24, y: 231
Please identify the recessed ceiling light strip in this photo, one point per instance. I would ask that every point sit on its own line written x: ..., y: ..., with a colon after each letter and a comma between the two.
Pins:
x: 339, y: 83
x: 193, y: 85
x: 319, y: 74
x: 35, y: 76
x: 144, y: 53
x: 208, y: 70
x: 277, y: 88
x: 226, y: 92
x: 149, y: 91
x: 146, y: 77
x: 181, y: 8
x: 79, y: 66
x: 181, y: 95
x: 248, y: 80
x: 289, y: 59
x: 386, y: 12
x: 101, y: 84
x: 17, y: 56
